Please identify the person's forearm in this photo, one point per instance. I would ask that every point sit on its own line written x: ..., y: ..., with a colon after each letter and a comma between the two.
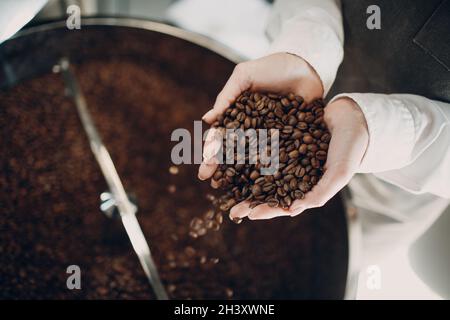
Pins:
x: 312, y: 30
x: 409, y: 141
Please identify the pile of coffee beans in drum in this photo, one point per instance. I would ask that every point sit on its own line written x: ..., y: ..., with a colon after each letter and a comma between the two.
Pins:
x: 303, y: 145
x: 50, y: 185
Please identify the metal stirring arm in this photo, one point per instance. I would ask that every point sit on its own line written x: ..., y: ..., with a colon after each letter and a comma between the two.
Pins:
x: 126, y: 209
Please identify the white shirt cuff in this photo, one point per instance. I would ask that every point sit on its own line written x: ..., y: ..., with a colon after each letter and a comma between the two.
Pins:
x: 391, y: 131
x: 315, y: 42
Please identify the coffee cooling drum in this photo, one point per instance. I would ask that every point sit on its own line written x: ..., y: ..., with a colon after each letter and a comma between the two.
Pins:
x: 141, y: 80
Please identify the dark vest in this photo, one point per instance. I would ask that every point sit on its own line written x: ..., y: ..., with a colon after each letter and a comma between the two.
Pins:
x: 409, y: 54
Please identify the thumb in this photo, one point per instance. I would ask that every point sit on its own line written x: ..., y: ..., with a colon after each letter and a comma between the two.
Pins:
x: 238, y: 82
x: 333, y: 180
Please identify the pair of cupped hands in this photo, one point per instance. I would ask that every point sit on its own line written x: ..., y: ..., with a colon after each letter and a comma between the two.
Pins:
x: 284, y: 73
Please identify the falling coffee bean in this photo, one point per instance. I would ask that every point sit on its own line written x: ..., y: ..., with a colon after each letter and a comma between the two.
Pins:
x: 237, y: 220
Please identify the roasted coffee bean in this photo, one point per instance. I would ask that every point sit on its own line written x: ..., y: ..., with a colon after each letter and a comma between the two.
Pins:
x: 273, y: 202
x: 209, y: 215
x: 281, y: 192
x: 278, y: 112
x: 323, y: 146
x: 301, y: 116
x: 300, y: 172
x: 230, y: 172
x: 260, y: 180
x: 234, y: 113
x: 326, y: 137
x: 236, y: 220
x: 319, y: 121
x: 303, y: 148
x: 288, y: 177
x: 293, y: 154
x: 232, y: 125
x: 307, y: 138
x: 304, y: 186
x: 309, y: 118
x: 247, y: 122
x: 298, y: 194
x: 302, y: 125
x: 254, y: 175
x: 315, y: 163
x: 297, y: 134
x: 293, y: 184
x: 241, y: 116
x: 196, y: 223
x: 217, y: 175
x: 254, y: 204
x: 193, y: 234
x: 290, y: 168
x: 219, y: 218
x: 285, y: 102
x: 260, y: 197
x: 321, y: 155
x: 305, y: 162
x: 240, y: 106
x: 292, y: 121
x: 277, y: 175
x: 312, y: 147
x: 231, y: 202
x: 317, y: 134
x: 209, y: 224
x: 256, y: 189
x: 287, y: 201
x: 303, y: 143
x: 259, y: 105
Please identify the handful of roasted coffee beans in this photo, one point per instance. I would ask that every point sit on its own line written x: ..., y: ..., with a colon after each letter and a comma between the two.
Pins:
x: 303, y: 145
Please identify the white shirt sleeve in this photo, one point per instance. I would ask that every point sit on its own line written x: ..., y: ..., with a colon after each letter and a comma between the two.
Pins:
x: 312, y: 30
x: 409, y: 141
x: 15, y: 14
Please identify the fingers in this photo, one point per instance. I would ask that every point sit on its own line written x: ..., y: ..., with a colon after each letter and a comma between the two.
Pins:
x: 280, y: 72
x: 213, y: 143
x: 206, y: 171
x: 241, y: 210
x: 238, y: 82
x: 297, y: 210
x: 345, y: 152
x: 210, y: 150
x: 263, y: 212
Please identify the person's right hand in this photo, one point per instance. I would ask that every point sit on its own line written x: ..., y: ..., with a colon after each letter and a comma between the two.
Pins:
x: 349, y: 141
x: 277, y: 73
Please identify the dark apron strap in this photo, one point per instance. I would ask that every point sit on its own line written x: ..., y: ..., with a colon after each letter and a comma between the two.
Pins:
x: 409, y: 54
